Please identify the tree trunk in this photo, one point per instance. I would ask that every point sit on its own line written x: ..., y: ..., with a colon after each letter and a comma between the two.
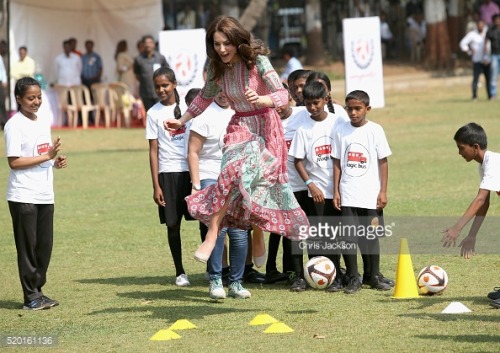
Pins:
x: 315, y: 54
x: 437, y: 42
x: 252, y: 14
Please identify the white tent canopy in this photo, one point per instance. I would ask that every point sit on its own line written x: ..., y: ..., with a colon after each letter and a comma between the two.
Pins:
x: 42, y: 26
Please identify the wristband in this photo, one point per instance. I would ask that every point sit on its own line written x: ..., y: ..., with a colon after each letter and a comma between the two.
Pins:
x: 308, y: 181
x: 196, y: 187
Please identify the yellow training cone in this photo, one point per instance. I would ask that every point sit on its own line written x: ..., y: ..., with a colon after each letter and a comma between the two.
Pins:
x: 262, y: 319
x: 278, y: 327
x: 182, y: 325
x: 165, y: 335
x: 406, y: 284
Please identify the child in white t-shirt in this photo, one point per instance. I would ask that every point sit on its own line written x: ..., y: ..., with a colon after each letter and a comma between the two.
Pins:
x: 31, y: 155
x: 168, y: 163
x: 311, y: 148
x: 472, y: 144
x: 291, y: 119
x: 360, y: 151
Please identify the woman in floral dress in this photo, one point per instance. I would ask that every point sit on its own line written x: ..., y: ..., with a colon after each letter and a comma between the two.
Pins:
x: 252, y: 188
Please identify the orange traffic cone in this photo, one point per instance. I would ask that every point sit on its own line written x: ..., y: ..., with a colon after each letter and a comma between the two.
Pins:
x: 406, y: 284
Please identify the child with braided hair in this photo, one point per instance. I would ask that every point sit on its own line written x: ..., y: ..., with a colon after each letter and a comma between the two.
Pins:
x: 169, y: 166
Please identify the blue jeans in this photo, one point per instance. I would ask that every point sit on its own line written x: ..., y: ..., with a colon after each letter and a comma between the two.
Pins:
x: 495, y: 70
x: 238, y: 248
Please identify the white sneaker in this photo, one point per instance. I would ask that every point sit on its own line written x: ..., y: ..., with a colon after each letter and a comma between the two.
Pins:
x: 182, y: 280
x: 216, y: 290
x: 237, y: 291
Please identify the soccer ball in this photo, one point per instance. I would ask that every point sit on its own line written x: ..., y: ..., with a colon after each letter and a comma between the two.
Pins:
x: 432, y: 280
x: 319, y: 272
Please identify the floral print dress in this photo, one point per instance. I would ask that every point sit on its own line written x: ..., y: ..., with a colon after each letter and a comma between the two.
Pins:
x: 253, y: 177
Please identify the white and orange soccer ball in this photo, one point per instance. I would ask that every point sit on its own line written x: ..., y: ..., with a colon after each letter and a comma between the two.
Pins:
x: 319, y: 272
x: 432, y: 280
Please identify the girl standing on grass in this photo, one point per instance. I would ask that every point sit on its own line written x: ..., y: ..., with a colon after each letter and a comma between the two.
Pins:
x: 30, y: 191
x: 252, y: 188
x: 169, y: 167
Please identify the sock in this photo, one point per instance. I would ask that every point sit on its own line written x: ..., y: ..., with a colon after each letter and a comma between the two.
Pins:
x: 272, y: 252
x: 174, y: 242
x: 287, y: 255
x: 298, y: 265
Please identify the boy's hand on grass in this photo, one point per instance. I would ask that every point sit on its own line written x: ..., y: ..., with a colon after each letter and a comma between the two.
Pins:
x: 468, y: 247
x: 450, y: 237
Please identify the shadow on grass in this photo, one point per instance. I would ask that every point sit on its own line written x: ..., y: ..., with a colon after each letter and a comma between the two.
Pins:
x: 131, y: 280
x: 180, y: 294
x: 453, y: 317
x: 424, y: 302
x: 10, y: 305
x: 463, y: 338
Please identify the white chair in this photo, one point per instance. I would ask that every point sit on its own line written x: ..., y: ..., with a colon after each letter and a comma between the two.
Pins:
x: 64, y: 105
x: 102, y: 97
x: 80, y: 95
x: 122, y: 101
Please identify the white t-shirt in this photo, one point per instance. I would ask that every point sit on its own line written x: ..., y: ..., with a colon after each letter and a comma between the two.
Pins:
x: 359, y: 149
x: 172, y: 145
x: 489, y: 171
x: 290, y: 126
x: 211, y: 124
x: 29, y: 138
x: 313, y: 143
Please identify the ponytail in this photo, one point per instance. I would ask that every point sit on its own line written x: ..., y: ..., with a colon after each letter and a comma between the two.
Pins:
x: 177, y: 109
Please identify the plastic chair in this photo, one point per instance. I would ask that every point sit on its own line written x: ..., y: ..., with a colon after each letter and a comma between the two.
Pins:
x: 102, y: 97
x: 64, y: 106
x: 123, y: 101
x: 81, y: 96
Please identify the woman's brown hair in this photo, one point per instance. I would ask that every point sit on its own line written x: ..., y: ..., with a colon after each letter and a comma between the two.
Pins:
x: 247, y: 46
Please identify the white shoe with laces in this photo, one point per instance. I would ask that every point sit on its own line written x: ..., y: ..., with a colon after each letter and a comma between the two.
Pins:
x: 182, y: 280
x: 237, y: 291
x: 216, y: 290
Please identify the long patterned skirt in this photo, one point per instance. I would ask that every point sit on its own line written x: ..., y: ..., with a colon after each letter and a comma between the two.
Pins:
x: 253, y: 179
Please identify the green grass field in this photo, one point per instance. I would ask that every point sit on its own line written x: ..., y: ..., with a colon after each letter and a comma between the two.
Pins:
x: 113, y: 274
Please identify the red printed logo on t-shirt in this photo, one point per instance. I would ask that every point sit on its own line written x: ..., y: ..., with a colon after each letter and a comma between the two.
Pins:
x: 179, y: 131
x: 288, y: 144
x: 43, y: 148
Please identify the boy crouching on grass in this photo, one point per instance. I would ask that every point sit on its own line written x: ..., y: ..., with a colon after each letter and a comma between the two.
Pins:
x: 472, y: 143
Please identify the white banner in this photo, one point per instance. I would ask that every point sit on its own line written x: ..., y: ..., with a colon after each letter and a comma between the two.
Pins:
x: 363, y: 58
x: 185, y: 53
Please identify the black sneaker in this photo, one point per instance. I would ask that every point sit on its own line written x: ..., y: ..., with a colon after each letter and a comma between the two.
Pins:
x: 381, y: 278
x: 495, y: 304
x: 376, y: 283
x: 251, y: 275
x: 275, y: 276
x: 298, y: 285
x: 50, y: 302
x: 36, y: 304
x: 353, y: 286
x: 336, y: 286
x: 291, y: 277
x: 495, y: 295
x: 385, y: 280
